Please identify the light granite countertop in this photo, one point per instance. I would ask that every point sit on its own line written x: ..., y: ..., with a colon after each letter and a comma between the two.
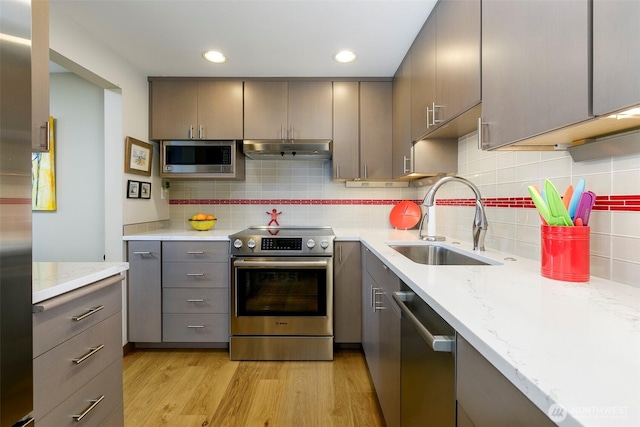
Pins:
x: 51, y: 279
x: 561, y: 343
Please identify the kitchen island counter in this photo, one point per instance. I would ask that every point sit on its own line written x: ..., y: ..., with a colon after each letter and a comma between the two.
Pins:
x: 51, y: 279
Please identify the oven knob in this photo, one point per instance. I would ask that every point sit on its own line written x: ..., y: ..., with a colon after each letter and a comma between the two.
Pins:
x: 311, y: 243
x: 324, y: 244
x: 237, y: 244
x: 251, y: 243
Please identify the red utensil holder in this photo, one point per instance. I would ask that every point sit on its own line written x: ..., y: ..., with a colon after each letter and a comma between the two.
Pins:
x: 565, y: 253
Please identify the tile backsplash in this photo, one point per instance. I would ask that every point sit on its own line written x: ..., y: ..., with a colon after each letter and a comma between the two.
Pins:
x: 305, y: 194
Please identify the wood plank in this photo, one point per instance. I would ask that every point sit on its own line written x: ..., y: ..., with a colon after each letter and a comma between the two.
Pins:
x: 202, y: 387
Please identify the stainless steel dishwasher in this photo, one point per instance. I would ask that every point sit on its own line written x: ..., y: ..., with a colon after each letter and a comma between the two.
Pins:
x: 428, y: 364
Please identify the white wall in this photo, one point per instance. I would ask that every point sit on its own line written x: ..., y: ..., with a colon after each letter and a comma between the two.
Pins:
x: 75, y: 231
x: 70, y: 41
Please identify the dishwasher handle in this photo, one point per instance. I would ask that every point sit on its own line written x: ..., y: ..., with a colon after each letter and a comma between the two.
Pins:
x: 440, y: 343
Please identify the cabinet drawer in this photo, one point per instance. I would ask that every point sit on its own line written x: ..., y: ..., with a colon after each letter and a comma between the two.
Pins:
x: 195, y: 328
x: 382, y: 275
x: 58, y: 376
x: 195, y: 275
x: 62, y: 322
x: 195, y: 300
x: 195, y: 251
x: 107, y: 383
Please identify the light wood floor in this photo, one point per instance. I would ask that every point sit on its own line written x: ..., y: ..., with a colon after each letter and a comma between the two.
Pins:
x: 184, y: 388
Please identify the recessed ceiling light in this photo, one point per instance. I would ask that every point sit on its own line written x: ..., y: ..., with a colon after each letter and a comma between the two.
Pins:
x: 345, y: 56
x: 215, y: 57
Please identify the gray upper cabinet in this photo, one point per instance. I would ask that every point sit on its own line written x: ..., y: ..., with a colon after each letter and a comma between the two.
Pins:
x: 375, y: 130
x: 288, y: 110
x: 457, y: 58
x: 346, y: 134
x: 445, y: 67
x: 535, y: 68
x: 616, y: 56
x: 189, y: 109
x: 423, y: 77
x: 401, y: 128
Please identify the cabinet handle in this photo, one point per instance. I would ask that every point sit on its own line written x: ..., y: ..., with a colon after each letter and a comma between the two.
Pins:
x: 282, y: 132
x: 195, y: 300
x: 481, y: 142
x: 92, y: 351
x: 94, y: 403
x: 190, y: 131
x: 365, y: 171
x: 337, y: 171
x: 195, y: 252
x: 87, y: 314
x: 201, y: 132
x: 428, y: 121
x: 340, y: 253
x: 433, y: 114
x: 195, y: 326
x: 46, y: 143
x: 405, y: 169
x: 195, y: 274
x: 142, y: 253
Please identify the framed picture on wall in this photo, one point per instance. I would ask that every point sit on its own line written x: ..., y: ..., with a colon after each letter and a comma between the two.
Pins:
x: 133, y: 189
x: 145, y: 190
x: 138, y: 156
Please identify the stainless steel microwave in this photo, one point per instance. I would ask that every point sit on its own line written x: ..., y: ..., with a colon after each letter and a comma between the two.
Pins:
x: 201, y: 159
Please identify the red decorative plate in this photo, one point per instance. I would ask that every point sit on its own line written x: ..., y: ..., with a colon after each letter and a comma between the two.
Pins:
x: 405, y: 215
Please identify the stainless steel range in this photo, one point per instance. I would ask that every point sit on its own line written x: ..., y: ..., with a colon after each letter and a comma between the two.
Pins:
x: 282, y: 294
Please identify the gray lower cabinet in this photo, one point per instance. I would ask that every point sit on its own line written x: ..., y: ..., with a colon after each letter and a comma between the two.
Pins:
x: 77, y: 363
x: 195, y: 292
x: 485, y: 398
x: 145, y: 292
x: 535, y: 68
x: 616, y: 63
x: 381, y: 333
x: 347, y: 285
x: 178, y: 292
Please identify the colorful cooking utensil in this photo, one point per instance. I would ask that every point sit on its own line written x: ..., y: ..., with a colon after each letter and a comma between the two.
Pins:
x: 556, y: 206
x: 566, y: 198
x: 577, y: 192
x: 583, y: 211
x: 542, y: 207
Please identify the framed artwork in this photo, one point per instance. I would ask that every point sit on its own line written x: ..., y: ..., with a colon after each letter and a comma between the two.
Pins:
x: 138, y: 156
x: 145, y: 190
x: 133, y: 189
x: 43, y: 176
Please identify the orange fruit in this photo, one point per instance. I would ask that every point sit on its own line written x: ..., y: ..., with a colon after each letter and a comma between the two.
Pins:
x: 201, y: 216
x: 210, y: 217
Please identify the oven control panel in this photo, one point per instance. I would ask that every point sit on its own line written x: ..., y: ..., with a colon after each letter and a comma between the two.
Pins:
x: 245, y: 244
x: 280, y: 244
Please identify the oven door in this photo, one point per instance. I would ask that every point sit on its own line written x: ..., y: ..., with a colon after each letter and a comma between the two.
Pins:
x: 282, y: 296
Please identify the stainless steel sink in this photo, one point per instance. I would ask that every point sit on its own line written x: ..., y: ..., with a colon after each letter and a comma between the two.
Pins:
x: 431, y: 254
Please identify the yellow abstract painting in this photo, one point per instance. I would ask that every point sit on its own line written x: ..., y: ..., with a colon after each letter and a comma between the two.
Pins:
x: 43, y: 176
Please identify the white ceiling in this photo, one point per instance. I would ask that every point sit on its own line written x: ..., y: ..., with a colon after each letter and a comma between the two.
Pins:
x: 261, y: 38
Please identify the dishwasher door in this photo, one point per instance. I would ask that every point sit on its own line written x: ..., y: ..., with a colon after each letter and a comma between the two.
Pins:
x: 427, y: 364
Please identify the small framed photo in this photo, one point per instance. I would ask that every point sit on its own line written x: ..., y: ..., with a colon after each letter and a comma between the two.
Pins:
x: 145, y: 190
x: 138, y: 156
x: 133, y: 189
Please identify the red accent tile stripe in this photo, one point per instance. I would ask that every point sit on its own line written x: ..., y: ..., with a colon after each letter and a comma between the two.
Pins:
x: 617, y: 203
x: 15, y: 201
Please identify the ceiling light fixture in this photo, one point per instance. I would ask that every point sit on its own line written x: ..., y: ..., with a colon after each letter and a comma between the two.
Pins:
x: 215, y: 57
x: 345, y: 56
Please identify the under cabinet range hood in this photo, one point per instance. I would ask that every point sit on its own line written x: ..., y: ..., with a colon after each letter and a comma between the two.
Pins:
x: 305, y: 149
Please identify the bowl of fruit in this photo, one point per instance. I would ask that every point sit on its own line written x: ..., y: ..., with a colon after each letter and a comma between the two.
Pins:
x: 202, y: 222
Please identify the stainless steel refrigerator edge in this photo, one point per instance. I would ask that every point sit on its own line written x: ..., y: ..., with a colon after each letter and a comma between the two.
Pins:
x: 16, y: 374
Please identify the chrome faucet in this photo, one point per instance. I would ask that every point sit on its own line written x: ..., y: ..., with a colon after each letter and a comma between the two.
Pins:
x: 480, y: 223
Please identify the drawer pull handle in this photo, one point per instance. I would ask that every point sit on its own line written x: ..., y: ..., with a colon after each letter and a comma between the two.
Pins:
x: 195, y: 326
x: 142, y: 253
x: 94, y: 403
x: 87, y: 314
x: 92, y: 351
x: 195, y: 274
x: 195, y: 300
x: 195, y: 252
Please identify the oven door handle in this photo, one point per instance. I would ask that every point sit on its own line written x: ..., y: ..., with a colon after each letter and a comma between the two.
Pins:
x: 249, y: 263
